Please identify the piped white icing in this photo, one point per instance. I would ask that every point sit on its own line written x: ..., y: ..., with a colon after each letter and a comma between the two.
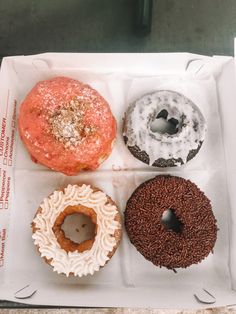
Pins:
x: 141, y: 113
x: 88, y: 261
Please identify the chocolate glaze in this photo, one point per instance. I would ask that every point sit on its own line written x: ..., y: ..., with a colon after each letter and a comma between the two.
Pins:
x: 160, y: 162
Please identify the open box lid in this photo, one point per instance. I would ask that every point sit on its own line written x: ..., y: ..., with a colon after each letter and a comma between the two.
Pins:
x: 137, y: 64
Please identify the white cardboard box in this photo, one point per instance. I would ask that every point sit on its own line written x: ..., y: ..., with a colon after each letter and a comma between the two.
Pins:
x: 128, y: 279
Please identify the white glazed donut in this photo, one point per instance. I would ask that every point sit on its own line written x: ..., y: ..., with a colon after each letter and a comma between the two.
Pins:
x: 164, y: 129
x: 64, y: 255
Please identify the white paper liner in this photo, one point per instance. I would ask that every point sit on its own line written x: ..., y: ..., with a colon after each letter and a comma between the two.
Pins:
x: 128, y: 279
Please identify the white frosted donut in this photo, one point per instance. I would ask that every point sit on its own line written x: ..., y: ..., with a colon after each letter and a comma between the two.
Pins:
x: 164, y: 129
x: 104, y: 244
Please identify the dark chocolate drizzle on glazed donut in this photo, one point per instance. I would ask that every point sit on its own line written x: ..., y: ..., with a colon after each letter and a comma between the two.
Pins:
x: 164, y: 129
x: 164, y: 246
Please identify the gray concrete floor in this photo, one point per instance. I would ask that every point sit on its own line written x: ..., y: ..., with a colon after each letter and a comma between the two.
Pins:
x: 118, y: 311
x: 33, y: 26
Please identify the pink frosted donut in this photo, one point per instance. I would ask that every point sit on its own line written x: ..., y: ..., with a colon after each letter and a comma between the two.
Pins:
x: 66, y: 125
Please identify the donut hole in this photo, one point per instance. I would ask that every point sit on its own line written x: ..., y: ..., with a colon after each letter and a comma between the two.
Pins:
x: 171, y: 221
x: 161, y: 124
x: 75, y: 228
x: 78, y: 228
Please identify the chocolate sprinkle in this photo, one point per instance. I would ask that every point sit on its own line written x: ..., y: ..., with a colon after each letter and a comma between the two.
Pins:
x: 164, y: 247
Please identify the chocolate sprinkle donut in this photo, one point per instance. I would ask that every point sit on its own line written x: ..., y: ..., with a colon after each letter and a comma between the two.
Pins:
x: 187, y: 238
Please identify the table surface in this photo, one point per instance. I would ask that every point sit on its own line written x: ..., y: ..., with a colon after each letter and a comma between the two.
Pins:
x: 117, y: 311
x: 198, y: 26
